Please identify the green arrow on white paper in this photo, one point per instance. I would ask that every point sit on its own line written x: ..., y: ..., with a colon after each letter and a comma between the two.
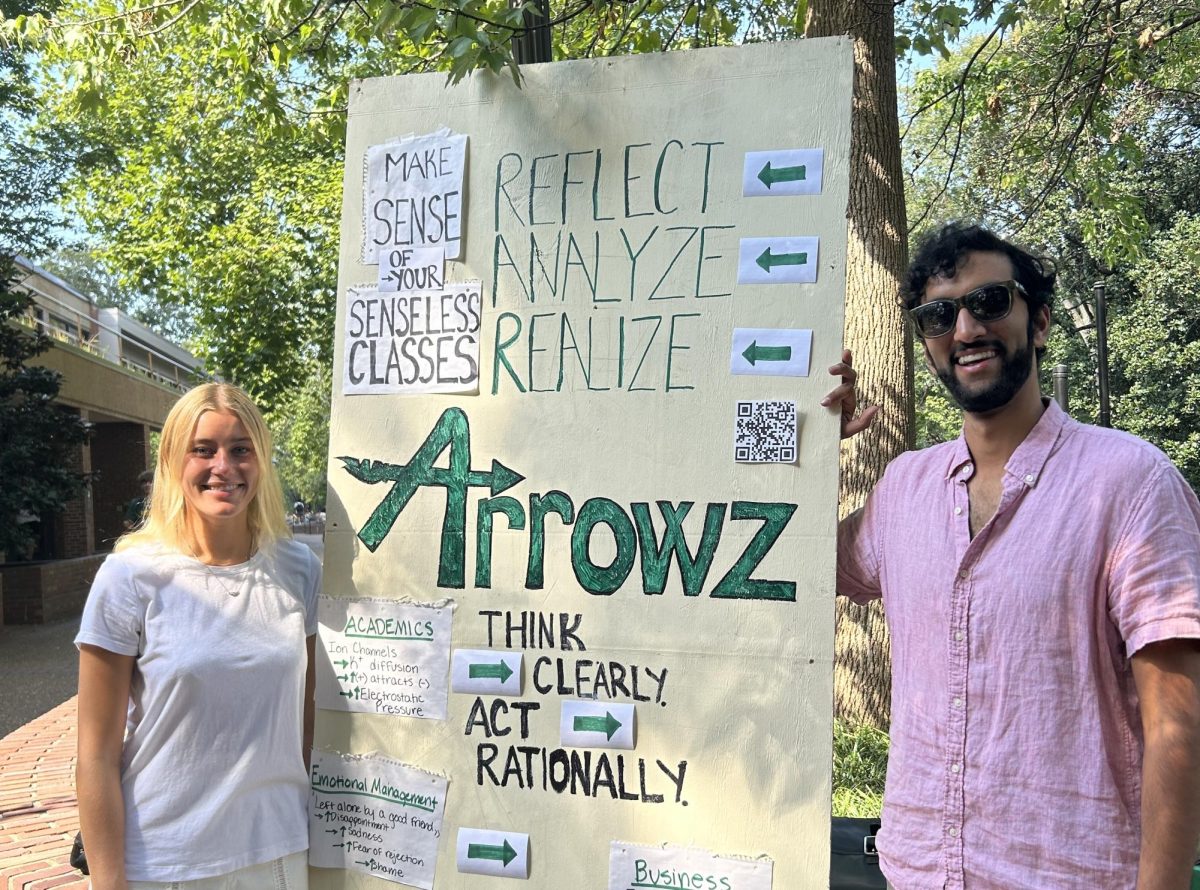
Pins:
x: 769, y: 175
x: 502, y: 853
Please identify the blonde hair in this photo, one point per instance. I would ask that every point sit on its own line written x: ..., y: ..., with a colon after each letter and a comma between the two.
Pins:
x: 166, y: 520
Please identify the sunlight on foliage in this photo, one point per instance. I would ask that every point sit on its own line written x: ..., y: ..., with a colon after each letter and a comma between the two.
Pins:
x: 859, y: 768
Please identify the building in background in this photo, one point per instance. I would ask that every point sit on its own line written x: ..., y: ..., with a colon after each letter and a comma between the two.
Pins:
x: 122, y: 378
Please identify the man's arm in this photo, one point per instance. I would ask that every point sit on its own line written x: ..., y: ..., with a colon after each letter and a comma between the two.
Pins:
x: 1167, y: 675
x: 104, y: 679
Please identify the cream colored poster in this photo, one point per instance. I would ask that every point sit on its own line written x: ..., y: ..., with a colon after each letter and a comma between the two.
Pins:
x: 632, y: 520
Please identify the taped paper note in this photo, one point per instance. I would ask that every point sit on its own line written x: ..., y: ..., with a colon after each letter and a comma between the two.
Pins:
x: 765, y: 432
x: 414, y: 342
x: 589, y: 724
x: 502, y: 854
x: 414, y: 195
x: 375, y: 815
x: 383, y: 657
x: 795, y: 171
x: 771, y: 352
x: 486, y: 672
x: 777, y: 260
x: 412, y: 269
x: 634, y: 868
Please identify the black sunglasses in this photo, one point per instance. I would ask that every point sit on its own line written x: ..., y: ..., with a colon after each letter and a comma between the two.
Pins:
x: 991, y: 302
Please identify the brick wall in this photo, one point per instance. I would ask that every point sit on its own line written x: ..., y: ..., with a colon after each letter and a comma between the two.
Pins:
x: 120, y: 451
x: 74, y: 532
x: 37, y: 592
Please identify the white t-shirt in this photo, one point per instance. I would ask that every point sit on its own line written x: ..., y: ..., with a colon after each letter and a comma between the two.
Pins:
x: 212, y: 770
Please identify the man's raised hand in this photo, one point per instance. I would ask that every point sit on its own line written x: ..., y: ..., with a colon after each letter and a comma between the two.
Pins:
x: 845, y: 398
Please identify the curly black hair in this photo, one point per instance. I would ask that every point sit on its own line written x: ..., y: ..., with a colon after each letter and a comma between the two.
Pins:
x: 943, y: 252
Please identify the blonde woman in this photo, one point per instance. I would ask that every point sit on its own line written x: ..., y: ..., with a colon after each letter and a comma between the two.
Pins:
x: 195, y: 671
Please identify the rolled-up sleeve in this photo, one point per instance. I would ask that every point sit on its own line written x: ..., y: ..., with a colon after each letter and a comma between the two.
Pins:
x: 858, y: 564
x: 1154, y: 575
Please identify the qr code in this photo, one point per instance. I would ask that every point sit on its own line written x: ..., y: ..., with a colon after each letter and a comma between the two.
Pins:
x: 765, y: 432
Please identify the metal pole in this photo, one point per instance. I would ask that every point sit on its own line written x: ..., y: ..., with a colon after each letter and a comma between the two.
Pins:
x: 533, y: 44
x: 1102, y: 351
x: 1061, y: 375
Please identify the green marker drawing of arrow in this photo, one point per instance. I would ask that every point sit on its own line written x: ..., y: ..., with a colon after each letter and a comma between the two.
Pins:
x: 342, y: 664
x: 503, y: 853
x: 451, y: 431
x: 608, y: 724
x: 499, y: 671
x: 769, y: 175
x: 755, y: 353
x: 768, y: 260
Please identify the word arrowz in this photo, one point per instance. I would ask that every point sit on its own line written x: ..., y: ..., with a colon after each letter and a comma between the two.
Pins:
x: 632, y: 531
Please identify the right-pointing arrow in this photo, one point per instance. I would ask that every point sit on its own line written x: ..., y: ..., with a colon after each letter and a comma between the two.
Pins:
x: 502, y: 853
x: 500, y: 671
x: 608, y: 724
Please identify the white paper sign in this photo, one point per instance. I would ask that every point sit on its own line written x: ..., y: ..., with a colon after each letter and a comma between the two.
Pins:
x: 764, y: 432
x: 633, y: 868
x: 770, y: 352
x: 486, y: 672
x: 375, y: 815
x: 414, y: 194
x: 414, y: 342
x: 794, y: 171
x: 503, y: 854
x: 777, y: 260
x: 412, y: 269
x: 589, y: 724
x: 383, y: 657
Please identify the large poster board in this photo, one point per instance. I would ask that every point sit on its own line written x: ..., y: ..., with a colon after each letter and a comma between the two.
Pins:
x: 582, y: 518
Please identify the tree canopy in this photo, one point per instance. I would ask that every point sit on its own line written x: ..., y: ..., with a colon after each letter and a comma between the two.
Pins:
x: 1106, y: 182
x: 207, y: 135
x: 34, y: 433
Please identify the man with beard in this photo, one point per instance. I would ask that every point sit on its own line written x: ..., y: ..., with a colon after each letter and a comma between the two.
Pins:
x: 1041, y: 580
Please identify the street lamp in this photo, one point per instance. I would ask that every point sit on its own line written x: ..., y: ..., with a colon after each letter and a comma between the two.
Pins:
x: 533, y: 44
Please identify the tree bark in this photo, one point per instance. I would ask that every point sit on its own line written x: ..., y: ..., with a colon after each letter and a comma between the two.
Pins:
x: 876, y: 329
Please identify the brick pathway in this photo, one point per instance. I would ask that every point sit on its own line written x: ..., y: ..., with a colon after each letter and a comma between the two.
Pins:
x: 38, y: 815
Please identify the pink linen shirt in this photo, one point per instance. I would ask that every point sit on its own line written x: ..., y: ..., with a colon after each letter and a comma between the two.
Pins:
x: 1016, y: 742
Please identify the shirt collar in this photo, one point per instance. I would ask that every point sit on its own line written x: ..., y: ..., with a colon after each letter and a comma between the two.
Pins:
x: 1031, y: 455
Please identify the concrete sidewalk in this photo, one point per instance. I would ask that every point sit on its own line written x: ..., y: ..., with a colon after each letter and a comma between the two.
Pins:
x: 38, y: 813
x: 41, y: 670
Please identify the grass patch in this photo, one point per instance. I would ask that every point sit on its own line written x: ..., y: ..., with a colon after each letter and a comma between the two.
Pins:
x: 859, y: 767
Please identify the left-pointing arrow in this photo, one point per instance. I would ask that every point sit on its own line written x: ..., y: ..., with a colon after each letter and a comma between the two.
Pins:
x: 768, y: 260
x: 502, y: 853
x: 608, y: 724
x: 755, y: 353
x: 500, y: 671
x: 769, y: 175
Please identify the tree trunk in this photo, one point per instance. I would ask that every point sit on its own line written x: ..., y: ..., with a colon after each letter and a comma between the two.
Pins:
x: 876, y: 330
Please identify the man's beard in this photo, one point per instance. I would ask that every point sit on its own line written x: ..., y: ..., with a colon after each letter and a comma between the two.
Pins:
x: 1014, y: 371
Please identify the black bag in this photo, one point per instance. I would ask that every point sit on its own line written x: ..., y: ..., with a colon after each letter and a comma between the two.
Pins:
x: 854, y: 864
x: 78, y: 857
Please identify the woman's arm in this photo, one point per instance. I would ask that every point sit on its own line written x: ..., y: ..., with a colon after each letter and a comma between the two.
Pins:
x: 104, y: 679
